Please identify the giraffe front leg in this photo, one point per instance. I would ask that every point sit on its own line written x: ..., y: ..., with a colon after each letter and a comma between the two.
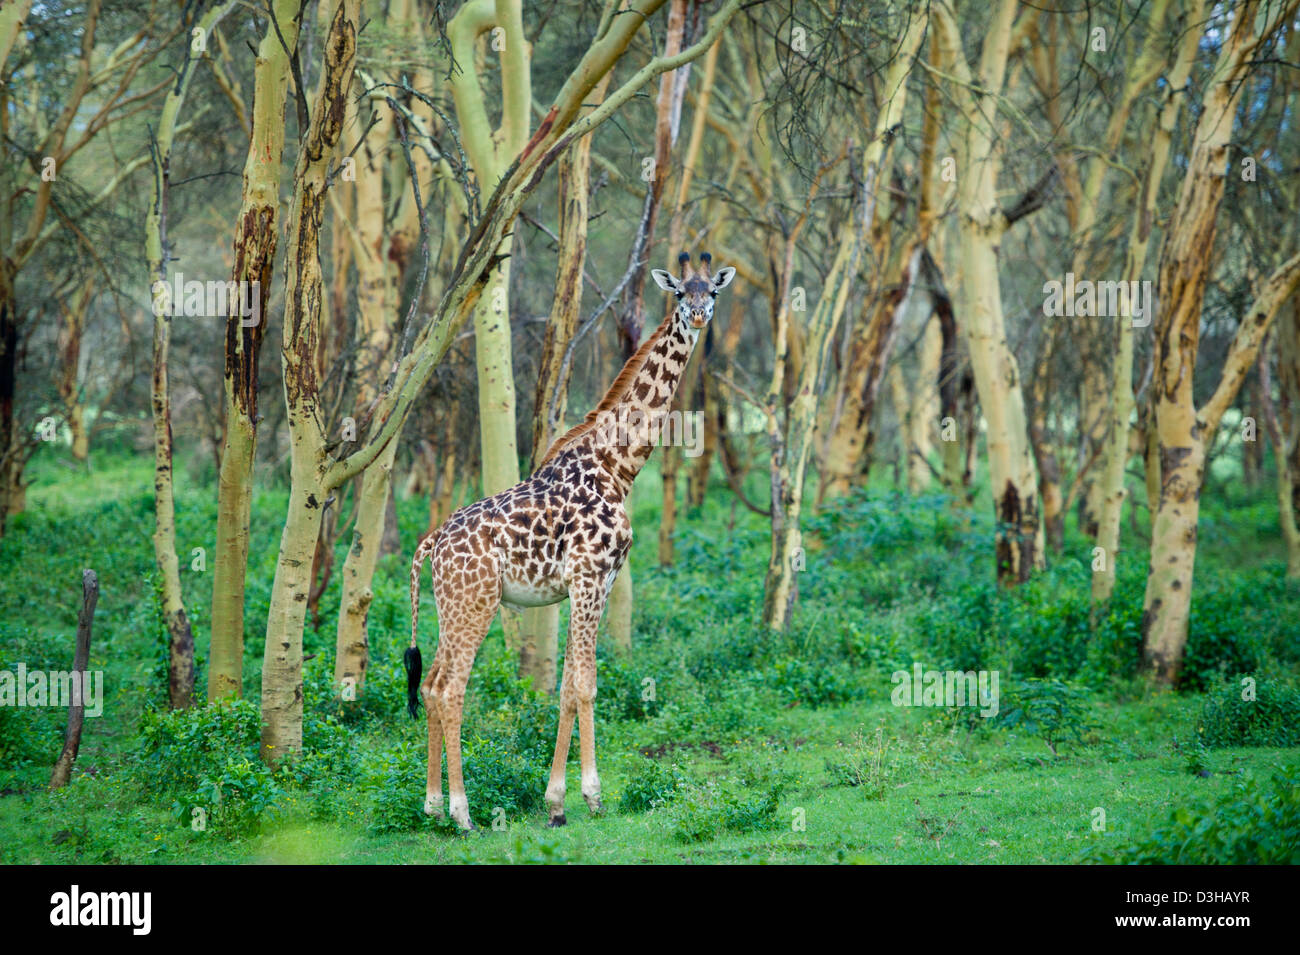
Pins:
x: 555, y: 788
x: 587, y: 750
x: 584, y: 619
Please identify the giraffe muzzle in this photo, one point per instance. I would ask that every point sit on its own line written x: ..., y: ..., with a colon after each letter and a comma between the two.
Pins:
x: 698, y: 320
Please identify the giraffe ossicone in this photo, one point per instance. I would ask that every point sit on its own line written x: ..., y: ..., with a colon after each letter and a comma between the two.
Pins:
x: 562, y: 532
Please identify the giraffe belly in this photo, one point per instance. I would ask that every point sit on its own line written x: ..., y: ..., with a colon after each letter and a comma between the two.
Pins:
x: 519, y: 592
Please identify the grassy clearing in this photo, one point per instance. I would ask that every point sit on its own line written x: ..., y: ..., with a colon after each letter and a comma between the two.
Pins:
x: 717, y: 742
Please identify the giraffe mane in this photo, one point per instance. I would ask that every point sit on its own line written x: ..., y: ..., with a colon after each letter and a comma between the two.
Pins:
x: 617, y: 391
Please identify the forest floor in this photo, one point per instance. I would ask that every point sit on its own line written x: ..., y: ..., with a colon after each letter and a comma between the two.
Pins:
x: 716, y: 741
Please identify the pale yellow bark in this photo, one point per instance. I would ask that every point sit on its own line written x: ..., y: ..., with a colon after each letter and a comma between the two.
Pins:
x: 792, y: 449
x: 11, y: 25
x: 376, y: 341
x: 490, y: 156
x: 1286, y: 442
x: 180, y: 668
x: 1182, y: 431
x: 1116, y: 452
x: 310, y: 473
x: 256, y: 235
x: 1013, y: 474
x: 540, y: 626
x: 672, y: 91
x: 848, y: 438
x: 67, y: 376
x: 1099, y: 395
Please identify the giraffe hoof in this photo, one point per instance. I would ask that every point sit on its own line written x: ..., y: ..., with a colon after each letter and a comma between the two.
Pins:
x: 596, y: 807
x: 557, y: 821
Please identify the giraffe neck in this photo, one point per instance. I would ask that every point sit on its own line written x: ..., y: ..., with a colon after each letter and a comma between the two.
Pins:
x: 625, y: 435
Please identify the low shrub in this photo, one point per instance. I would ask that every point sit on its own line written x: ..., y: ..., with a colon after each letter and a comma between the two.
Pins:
x: 651, y: 785
x: 1052, y: 710
x: 204, y: 762
x: 1265, y: 713
x: 1257, y: 823
x: 702, y: 812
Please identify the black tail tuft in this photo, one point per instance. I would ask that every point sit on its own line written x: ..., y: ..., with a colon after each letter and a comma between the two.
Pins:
x: 414, y: 669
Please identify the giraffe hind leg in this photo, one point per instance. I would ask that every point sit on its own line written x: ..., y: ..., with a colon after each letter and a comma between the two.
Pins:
x: 433, y: 787
x: 459, y: 638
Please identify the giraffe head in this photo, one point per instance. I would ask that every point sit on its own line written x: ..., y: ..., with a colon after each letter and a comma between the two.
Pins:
x: 695, y: 290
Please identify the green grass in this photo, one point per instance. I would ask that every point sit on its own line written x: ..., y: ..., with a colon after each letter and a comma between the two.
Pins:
x: 770, y: 748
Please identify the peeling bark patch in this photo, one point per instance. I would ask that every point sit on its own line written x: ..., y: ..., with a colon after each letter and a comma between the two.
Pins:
x: 1149, y: 616
x: 1008, y: 546
x: 1171, y: 460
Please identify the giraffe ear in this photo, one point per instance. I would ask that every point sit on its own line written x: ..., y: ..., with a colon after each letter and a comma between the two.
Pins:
x: 723, y: 278
x: 665, y: 280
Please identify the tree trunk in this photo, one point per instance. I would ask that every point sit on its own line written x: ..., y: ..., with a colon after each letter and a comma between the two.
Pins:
x: 1182, y: 431
x: 12, y: 452
x: 282, y: 666
x: 1012, y: 472
x: 180, y: 637
x: 490, y: 159
x: 1040, y: 438
x: 851, y: 437
x: 1116, y: 453
x: 791, y: 449
x: 282, y: 663
x: 1285, y: 430
x: 377, y: 301
x: 922, y: 410
x: 256, y: 234
x: 67, y: 377
x: 540, y: 626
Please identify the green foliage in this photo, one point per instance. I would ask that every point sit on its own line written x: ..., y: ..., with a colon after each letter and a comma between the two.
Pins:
x: 523, y: 849
x: 395, y: 783
x: 744, y: 720
x: 863, y: 764
x: 1052, y: 710
x: 800, y: 681
x: 1219, y: 641
x: 1196, y: 754
x: 1271, y: 718
x: 1257, y: 823
x: 623, y: 694
x: 241, y: 794
x: 503, y: 779
x: 651, y: 784
x: 206, y: 758
x: 700, y: 812
x: 505, y: 757
x: 16, y: 744
x: 179, y: 748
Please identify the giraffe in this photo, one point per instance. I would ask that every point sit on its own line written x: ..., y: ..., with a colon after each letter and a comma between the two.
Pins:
x: 563, y: 532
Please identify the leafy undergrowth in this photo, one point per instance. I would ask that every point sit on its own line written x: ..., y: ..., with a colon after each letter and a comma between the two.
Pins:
x: 717, y: 741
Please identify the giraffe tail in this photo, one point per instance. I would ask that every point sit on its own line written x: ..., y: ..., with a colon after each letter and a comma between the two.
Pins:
x: 411, y: 660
